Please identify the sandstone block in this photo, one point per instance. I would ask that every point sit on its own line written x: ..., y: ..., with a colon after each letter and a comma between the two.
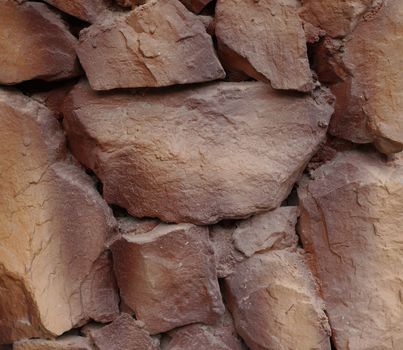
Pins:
x: 63, y: 343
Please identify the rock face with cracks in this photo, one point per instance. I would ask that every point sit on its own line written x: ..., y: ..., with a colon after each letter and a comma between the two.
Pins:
x: 34, y: 44
x: 160, y: 43
x: 168, y: 276
x: 351, y: 226
x: 62, y: 343
x: 275, y: 305
x: 264, y: 40
x: 52, y: 228
x: 225, y: 150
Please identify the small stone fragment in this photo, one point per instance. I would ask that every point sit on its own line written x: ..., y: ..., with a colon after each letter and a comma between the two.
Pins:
x: 62, y: 343
x: 195, y: 6
x: 275, y: 305
x: 157, y: 44
x: 265, y: 40
x: 168, y: 276
x: 34, y: 44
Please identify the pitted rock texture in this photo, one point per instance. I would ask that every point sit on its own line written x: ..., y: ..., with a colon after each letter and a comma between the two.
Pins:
x: 370, y: 100
x: 224, y: 150
x: 52, y: 228
x: 63, y: 343
x: 275, y: 304
x: 34, y: 44
x: 158, y: 44
x: 123, y: 333
x: 351, y: 226
x: 264, y: 40
x: 168, y: 276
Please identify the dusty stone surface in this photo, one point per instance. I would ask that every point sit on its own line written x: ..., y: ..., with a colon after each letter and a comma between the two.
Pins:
x: 158, y: 44
x: 220, y: 336
x: 225, y: 150
x: 275, y: 305
x: 265, y: 40
x: 195, y: 6
x: 168, y: 276
x: 34, y: 44
x: 267, y: 231
x: 86, y: 10
x: 370, y: 101
x: 351, y: 226
x: 123, y: 333
x: 52, y: 228
x: 62, y: 343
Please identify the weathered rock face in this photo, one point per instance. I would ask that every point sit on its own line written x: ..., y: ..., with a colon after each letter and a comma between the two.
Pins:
x: 225, y: 150
x: 370, y: 101
x: 34, y: 44
x: 274, y: 302
x: 272, y: 230
x: 220, y: 336
x: 52, y: 228
x: 62, y: 343
x: 195, y: 6
x: 157, y: 44
x: 168, y: 276
x: 351, y: 225
x: 265, y: 40
x: 123, y: 333
x: 86, y: 10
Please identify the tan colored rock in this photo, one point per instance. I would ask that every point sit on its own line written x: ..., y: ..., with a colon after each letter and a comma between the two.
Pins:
x: 265, y: 40
x: 220, y: 336
x: 225, y: 150
x: 266, y: 231
x: 370, y: 101
x: 275, y: 305
x: 168, y: 276
x: 34, y: 44
x: 195, y: 6
x: 351, y: 226
x: 52, y: 228
x: 157, y: 44
x: 123, y: 333
x: 86, y: 10
x: 63, y: 343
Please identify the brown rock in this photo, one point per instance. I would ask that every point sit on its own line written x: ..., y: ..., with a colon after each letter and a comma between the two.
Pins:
x: 220, y: 336
x: 195, y: 6
x: 157, y: 44
x: 86, y: 10
x: 52, y: 228
x: 274, y: 302
x: 34, y: 44
x: 62, y: 343
x: 370, y: 101
x: 351, y: 225
x: 123, y: 333
x: 199, y: 155
x: 168, y: 277
x: 265, y: 40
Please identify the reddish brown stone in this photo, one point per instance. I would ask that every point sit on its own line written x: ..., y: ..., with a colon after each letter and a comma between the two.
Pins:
x: 351, y: 226
x: 34, y: 44
x: 195, y: 6
x: 265, y: 40
x: 157, y: 44
x: 225, y: 150
x: 275, y: 305
x: 52, y: 228
x: 168, y: 276
x: 62, y: 343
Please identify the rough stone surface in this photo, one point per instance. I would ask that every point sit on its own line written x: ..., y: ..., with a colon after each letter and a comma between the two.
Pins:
x: 86, y: 10
x: 224, y: 150
x: 220, y: 336
x: 157, y: 44
x: 195, y: 6
x: 123, y: 333
x: 272, y: 230
x: 265, y: 40
x: 370, y: 101
x: 351, y: 226
x: 168, y: 276
x: 52, y: 228
x: 62, y: 343
x: 275, y: 305
x: 34, y: 44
